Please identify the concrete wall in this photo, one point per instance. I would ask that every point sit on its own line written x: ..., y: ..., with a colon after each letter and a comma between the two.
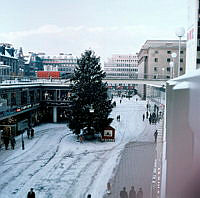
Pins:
x: 183, y: 138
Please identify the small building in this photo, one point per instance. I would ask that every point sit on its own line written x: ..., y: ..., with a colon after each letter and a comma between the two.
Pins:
x: 108, y: 134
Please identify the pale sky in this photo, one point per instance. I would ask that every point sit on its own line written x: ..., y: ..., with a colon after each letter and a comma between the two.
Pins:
x: 106, y: 26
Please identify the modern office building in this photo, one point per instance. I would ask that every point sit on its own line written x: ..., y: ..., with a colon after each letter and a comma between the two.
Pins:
x: 122, y: 66
x: 63, y: 63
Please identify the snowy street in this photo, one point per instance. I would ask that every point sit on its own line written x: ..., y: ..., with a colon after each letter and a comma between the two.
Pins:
x: 56, y: 165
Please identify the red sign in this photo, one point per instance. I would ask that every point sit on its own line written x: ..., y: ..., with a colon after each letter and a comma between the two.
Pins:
x: 48, y: 74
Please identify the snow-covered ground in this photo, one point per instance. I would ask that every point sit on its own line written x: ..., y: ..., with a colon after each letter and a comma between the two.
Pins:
x: 56, y: 165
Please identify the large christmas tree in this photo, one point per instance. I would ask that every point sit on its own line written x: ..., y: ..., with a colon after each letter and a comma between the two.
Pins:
x: 89, y: 103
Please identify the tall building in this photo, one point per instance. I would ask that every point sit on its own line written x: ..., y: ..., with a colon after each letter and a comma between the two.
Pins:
x: 122, y: 66
x: 156, y: 61
x: 193, y: 36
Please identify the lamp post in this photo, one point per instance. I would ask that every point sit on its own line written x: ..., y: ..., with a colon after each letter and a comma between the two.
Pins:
x: 163, y: 72
x: 173, y: 55
x: 22, y: 140
x: 180, y: 33
x: 91, y: 110
x: 172, y: 69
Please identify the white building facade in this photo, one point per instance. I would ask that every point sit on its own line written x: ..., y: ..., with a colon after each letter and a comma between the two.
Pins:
x: 193, y: 36
x: 122, y: 66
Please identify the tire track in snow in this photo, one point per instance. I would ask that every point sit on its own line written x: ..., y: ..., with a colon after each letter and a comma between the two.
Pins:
x: 28, y: 166
x: 30, y: 149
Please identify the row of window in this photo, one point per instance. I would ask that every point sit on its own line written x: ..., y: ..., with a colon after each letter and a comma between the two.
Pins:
x: 65, y: 69
x: 168, y: 60
x: 168, y: 69
x: 60, y: 60
x: 124, y: 69
x: 168, y: 52
x: 126, y: 60
x: 120, y: 74
x: 126, y: 65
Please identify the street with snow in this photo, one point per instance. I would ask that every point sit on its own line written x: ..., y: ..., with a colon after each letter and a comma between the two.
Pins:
x: 57, y: 165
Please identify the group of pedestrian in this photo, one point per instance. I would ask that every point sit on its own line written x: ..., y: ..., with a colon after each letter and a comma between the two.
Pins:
x: 132, y: 193
x: 8, y: 138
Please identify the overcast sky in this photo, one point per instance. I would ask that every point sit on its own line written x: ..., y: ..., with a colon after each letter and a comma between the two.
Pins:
x: 106, y: 26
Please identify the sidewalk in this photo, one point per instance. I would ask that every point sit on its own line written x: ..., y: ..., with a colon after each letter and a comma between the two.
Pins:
x: 137, y: 166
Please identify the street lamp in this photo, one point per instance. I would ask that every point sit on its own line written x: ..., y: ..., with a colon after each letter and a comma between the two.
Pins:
x: 23, y: 141
x: 172, y: 69
x: 180, y: 33
x: 163, y: 72
x: 173, y: 55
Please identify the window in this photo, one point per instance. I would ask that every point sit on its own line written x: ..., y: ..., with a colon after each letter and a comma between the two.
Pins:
x: 168, y: 77
x: 181, y: 60
x: 156, y: 60
x: 168, y: 60
x: 155, y: 69
x: 156, y: 52
x: 181, y: 69
x: 182, y: 52
x: 168, y: 69
x: 154, y: 77
x: 169, y: 52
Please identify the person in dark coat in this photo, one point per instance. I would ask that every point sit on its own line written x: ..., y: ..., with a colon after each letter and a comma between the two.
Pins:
x: 13, y: 142
x: 156, y: 135
x: 28, y: 133
x: 123, y: 193
x: 143, y: 117
x: 31, y: 194
x: 140, y: 193
x: 32, y: 133
x: 132, y: 193
x: 6, y: 141
x: 147, y: 114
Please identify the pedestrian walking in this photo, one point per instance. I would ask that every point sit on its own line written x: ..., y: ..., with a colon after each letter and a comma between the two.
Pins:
x: 143, y: 117
x: 6, y: 141
x: 31, y: 194
x: 132, y: 193
x: 147, y: 115
x: 120, y: 101
x: 12, y: 142
x: 118, y: 118
x: 155, y: 135
x: 150, y: 119
x: 28, y: 132
x: 32, y: 132
x: 123, y: 193
x: 140, y: 193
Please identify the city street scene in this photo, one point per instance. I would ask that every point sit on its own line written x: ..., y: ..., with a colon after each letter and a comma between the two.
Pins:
x: 54, y: 159
x: 100, y: 99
